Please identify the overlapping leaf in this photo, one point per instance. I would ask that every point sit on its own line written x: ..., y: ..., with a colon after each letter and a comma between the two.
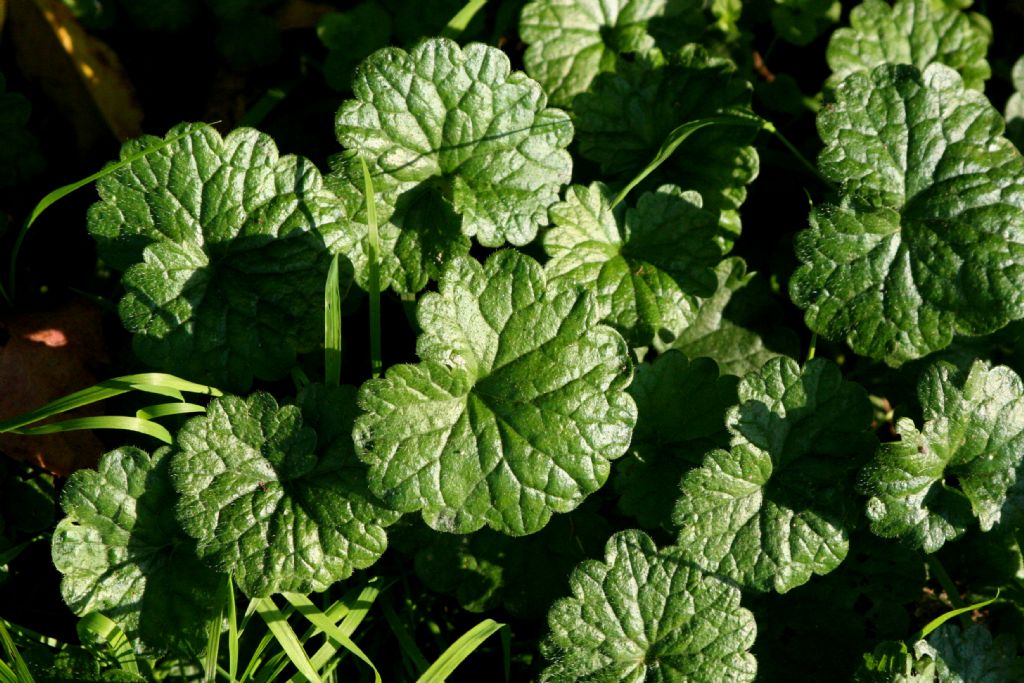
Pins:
x: 570, y: 41
x: 915, y: 32
x: 928, y: 239
x: 523, y: 575
x: 122, y: 553
x: 645, y: 614
x: 646, y: 265
x: 515, y: 411
x: 624, y: 118
x: 459, y: 146
x: 275, y: 494
x: 234, y: 243
x: 973, y: 435
x: 681, y: 407
x: 739, y: 325
x: 776, y: 507
x: 972, y: 655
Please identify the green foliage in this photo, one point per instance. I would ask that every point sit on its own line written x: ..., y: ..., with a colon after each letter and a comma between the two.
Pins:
x: 571, y: 42
x: 673, y: 432
x: 275, y: 496
x: 226, y: 246
x: 777, y: 507
x: 458, y: 146
x: 516, y: 410
x: 973, y: 435
x: 625, y: 116
x: 801, y: 21
x: 122, y: 553
x: 915, y: 32
x: 1015, y: 107
x: 350, y: 37
x: 926, y: 239
x: 645, y: 614
x: 646, y: 265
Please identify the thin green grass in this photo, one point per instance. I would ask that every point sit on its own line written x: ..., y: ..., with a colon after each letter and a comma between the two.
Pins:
x: 451, y: 658
x: 332, y: 326
x: 373, y: 254
x: 277, y: 622
x: 679, y: 135
x: 106, y: 639
x: 460, y: 21
x: 17, y: 671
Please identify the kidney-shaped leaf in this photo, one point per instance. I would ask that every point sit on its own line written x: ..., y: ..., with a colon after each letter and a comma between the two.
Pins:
x: 646, y: 265
x: 916, y: 32
x: 270, y: 502
x: 459, y: 146
x: 928, y: 240
x: 648, y: 615
x: 973, y: 435
x: 571, y: 41
x: 122, y: 553
x: 625, y: 117
x: 776, y: 507
x: 234, y: 248
x: 515, y: 412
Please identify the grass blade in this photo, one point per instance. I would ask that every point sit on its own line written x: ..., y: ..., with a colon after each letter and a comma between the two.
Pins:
x: 98, y: 631
x: 277, y: 622
x: 679, y: 135
x: 61, y: 192
x: 213, y: 646
x: 306, y: 608
x: 232, y: 633
x: 373, y: 252
x: 943, y: 618
x: 149, y: 382
x: 450, y: 659
x: 129, y: 424
x: 168, y: 409
x: 461, y: 20
x: 332, y: 327
x: 20, y: 672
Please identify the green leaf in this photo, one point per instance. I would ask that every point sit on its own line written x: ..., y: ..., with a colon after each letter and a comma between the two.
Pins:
x: 458, y: 146
x: 274, y: 495
x: 681, y: 407
x: 930, y: 484
x: 572, y: 41
x: 122, y: 553
x: 624, y: 118
x: 915, y: 32
x: 515, y: 411
x: 928, y: 239
x: 646, y: 265
x: 20, y: 157
x: 801, y: 21
x: 739, y: 325
x: 645, y: 614
x: 235, y: 243
x: 777, y: 507
x: 467, y: 643
x: 972, y: 656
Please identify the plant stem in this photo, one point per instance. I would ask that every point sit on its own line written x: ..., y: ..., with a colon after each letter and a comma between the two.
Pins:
x: 768, y: 126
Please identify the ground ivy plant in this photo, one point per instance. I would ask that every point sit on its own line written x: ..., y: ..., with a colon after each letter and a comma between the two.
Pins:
x: 595, y: 409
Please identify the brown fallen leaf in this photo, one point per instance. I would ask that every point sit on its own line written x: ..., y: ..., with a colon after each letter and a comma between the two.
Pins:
x: 79, y: 72
x: 44, y: 356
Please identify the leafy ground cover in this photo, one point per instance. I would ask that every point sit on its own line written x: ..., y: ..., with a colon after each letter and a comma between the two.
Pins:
x: 554, y: 340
